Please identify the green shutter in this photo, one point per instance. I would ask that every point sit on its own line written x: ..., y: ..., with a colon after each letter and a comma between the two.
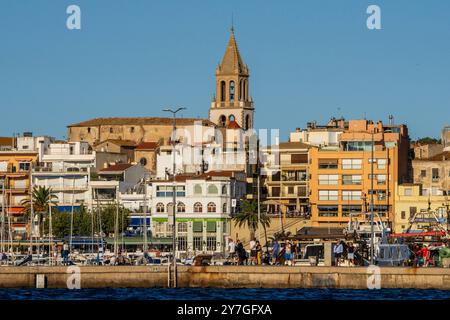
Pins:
x: 197, y: 226
x: 211, y: 226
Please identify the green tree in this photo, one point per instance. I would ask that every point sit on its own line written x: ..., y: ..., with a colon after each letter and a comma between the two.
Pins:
x: 428, y: 140
x: 248, y: 216
x: 42, y: 199
x: 83, y: 219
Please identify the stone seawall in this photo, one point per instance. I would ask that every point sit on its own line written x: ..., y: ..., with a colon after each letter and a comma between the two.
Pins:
x: 225, y: 277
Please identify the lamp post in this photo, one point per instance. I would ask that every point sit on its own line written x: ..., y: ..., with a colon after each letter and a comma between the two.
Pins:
x: 372, y: 244
x: 174, y: 205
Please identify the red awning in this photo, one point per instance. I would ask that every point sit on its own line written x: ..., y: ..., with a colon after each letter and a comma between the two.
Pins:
x: 420, y: 234
x: 15, y: 210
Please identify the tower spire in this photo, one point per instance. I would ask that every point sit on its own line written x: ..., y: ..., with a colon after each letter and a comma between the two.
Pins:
x: 232, y: 23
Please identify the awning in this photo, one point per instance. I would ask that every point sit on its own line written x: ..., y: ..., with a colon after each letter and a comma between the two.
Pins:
x: 419, y: 234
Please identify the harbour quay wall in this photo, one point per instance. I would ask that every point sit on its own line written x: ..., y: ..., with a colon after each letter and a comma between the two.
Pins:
x: 225, y: 277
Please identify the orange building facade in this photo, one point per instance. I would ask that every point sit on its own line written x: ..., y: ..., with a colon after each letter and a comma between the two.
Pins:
x: 341, y: 177
x: 15, y: 169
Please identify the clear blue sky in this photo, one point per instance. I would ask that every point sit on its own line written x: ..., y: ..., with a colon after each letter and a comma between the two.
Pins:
x: 309, y: 60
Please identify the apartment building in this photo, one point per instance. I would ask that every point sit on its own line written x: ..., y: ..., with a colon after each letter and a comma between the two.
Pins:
x: 320, y: 135
x: 341, y: 177
x: 15, y: 178
x: 287, y: 178
x: 410, y: 200
x: 433, y: 174
x: 65, y: 168
x: 205, y: 204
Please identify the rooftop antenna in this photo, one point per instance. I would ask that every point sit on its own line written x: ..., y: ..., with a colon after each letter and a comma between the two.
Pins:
x: 391, y: 119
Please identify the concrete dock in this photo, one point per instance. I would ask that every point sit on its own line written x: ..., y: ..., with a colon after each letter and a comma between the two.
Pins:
x: 224, y: 277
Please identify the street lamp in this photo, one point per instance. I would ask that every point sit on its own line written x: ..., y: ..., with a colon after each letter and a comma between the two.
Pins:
x: 174, y: 113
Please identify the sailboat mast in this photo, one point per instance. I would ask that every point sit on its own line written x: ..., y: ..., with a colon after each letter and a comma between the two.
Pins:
x: 2, y: 246
x: 71, y: 213
x: 144, y: 248
x: 372, y: 244
x: 116, y: 225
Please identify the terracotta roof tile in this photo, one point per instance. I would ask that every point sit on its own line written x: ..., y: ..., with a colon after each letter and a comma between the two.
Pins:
x: 147, y: 146
x: 123, y: 143
x: 117, y: 167
x: 233, y: 125
x: 139, y: 121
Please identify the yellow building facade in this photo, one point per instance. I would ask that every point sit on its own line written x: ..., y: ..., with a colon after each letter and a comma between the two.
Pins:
x: 409, y: 199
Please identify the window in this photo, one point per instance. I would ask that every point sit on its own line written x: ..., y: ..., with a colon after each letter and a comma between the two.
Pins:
x: 222, y: 121
x: 224, y: 190
x: 132, y: 130
x: 403, y: 215
x: 198, y: 208
x: 89, y: 130
x: 381, y: 179
x: 212, y: 189
x: 231, y: 118
x: 181, y: 207
x: 275, y: 191
x: 211, y: 226
x: 423, y: 173
x: 382, y: 210
x: 167, y: 191
x: 111, y: 130
x: 328, y: 211
x: 299, y: 158
x: 381, y: 194
x: 182, y: 227
x: 198, y: 243
x: 352, y: 164
x: 328, y: 179
x: 170, y: 207
x: 224, y: 208
x: 351, y: 195
x: 358, y: 146
x: 143, y: 161
x: 211, y: 243
x: 351, y: 179
x: 24, y: 166
x: 290, y: 190
x: 182, y: 242
x: 348, y: 209
x: 328, y: 194
x: 381, y: 163
x: 232, y: 90
x: 211, y: 207
x: 198, y: 189
x: 328, y: 163
x: 159, y: 207
x: 222, y: 91
x: 412, y: 211
x: 435, y: 174
x: 197, y: 226
x: 408, y: 192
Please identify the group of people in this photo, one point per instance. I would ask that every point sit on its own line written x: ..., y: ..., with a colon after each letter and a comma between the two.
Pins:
x: 277, y: 255
x: 345, y: 253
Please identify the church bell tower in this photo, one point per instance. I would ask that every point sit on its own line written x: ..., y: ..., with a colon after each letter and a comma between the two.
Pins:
x: 232, y: 106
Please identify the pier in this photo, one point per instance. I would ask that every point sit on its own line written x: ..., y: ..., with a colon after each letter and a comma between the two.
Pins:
x: 224, y: 277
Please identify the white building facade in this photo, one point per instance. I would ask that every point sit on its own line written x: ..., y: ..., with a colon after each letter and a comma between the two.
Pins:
x: 65, y: 168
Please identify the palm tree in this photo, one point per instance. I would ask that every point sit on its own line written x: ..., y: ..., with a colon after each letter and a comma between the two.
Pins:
x: 249, y: 216
x: 42, y: 198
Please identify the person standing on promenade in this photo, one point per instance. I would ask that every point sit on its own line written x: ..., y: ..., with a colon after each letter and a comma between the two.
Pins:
x: 253, y: 251
x: 288, y: 252
x: 258, y: 249
x: 338, y: 249
x: 425, y: 255
x: 240, y: 252
x: 350, y: 254
x: 231, y: 250
x: 275, y: 251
